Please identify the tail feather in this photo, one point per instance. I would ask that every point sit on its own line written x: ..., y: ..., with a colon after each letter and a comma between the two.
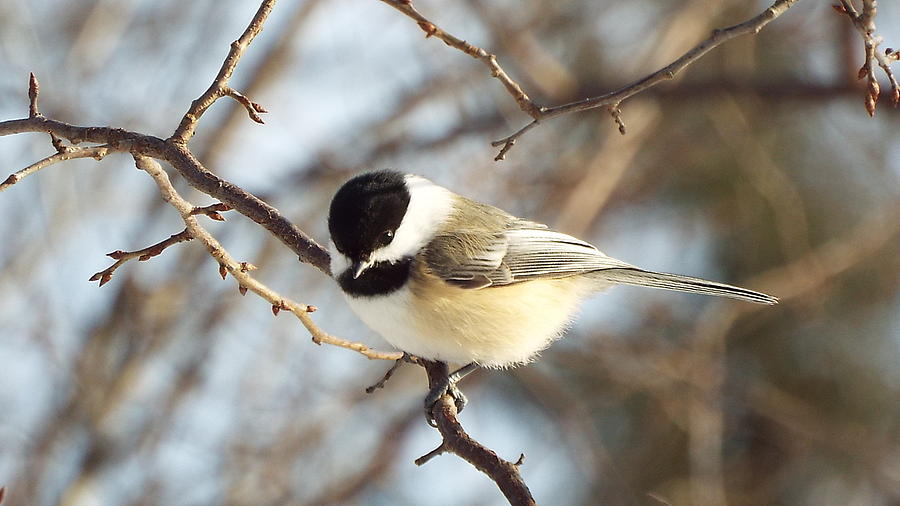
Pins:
x: 677, y: 282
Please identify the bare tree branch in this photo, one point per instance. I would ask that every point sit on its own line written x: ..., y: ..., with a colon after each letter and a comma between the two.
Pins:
x: 181, y: 158
x: 239, y: 270
x: 865, y: 24
x: 610, y: 100
x: 219, y: 87
x: 142, y: 255
x: 503, y: 472
x: 95, y: 152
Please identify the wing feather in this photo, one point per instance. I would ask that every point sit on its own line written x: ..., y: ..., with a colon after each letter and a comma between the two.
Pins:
x: 523, y: 252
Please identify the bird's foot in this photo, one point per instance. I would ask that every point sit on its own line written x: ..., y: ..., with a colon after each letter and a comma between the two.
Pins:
x: 448, y: 386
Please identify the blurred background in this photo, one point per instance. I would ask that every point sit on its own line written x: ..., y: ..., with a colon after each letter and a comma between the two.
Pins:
x: 758, y: 166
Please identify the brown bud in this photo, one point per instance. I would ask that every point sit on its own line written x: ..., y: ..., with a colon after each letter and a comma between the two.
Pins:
x: 428, y: 28
x: 116, y: 255
x: 215, y: 216
x: 105, y: 278
x: 146, y: 256
x: 223, y: 271
x: 258, y: 108
x: 96, y: 276
x: 12, y: 179
x: 242, y: 289
x: 874, y: 88
x: 311, y: 309
x: 247, y: 266
x: 863, y: 72
x: 276, y: 308
x: 870, y: 105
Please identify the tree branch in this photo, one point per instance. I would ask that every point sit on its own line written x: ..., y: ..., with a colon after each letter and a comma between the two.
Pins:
x: 142, y: 255
x: 240, y: 270
x: 147, y: 149
x: 219, y: 87
x: 95, y: 152
x: 455, y: 440
x: 610, y: 100
x: 181, y: 158
x: 865, y: 24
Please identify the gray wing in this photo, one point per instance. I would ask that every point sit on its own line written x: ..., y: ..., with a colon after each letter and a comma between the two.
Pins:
x: 527, y: 251
x: 523, y: 252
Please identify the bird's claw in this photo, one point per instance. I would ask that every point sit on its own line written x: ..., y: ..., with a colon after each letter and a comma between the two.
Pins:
x: 446, y: 387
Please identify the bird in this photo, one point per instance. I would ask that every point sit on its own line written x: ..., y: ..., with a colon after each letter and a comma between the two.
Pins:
x: 447, y: 278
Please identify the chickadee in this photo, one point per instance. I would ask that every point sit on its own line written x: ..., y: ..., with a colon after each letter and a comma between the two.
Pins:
x: 447, y: 278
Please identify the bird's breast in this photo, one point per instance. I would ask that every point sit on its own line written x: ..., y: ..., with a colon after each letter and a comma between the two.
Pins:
x: 495, y: 327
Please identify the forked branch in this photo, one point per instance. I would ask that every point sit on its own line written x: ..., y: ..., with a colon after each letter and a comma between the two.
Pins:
x: 220, y: 87
x: 864, y: 23
x: 610, y: 100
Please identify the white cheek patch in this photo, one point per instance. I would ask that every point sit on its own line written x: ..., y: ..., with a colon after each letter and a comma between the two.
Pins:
x: 429, y: 205
x: 339, y: 263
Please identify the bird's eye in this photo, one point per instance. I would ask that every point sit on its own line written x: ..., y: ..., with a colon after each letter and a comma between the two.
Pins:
x: 387, y: 236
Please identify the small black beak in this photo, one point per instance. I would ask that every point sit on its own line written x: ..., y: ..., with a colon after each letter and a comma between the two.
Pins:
x: 359, y: 267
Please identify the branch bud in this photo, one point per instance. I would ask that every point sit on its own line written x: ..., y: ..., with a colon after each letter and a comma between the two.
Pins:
x: 428, y: 28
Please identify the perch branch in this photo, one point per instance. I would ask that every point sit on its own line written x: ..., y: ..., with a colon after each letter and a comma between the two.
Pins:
x: 240, y: 270
x: 455, y: 440
x: 147, y: 149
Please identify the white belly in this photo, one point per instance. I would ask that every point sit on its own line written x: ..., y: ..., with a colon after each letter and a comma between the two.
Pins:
x: 495, y: 327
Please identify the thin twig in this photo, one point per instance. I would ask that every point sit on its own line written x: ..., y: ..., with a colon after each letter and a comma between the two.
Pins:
x: 212, y: 211
x: 142, y: 255
x: 34, y: 90
x: 424, y: 459
x: 390, y: 372
x: 219, y: 87
x: 95, y: 152
x: 614, y: 98
x: 149, y: 252
x: 490, y: 60
x: 253, y: 109
x: 865, y: 24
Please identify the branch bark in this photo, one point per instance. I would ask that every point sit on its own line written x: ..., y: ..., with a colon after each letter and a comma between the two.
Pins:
x: 609, y: 100
x: 455, y: 440
x: 182, y: 160
x: 219, y: 87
